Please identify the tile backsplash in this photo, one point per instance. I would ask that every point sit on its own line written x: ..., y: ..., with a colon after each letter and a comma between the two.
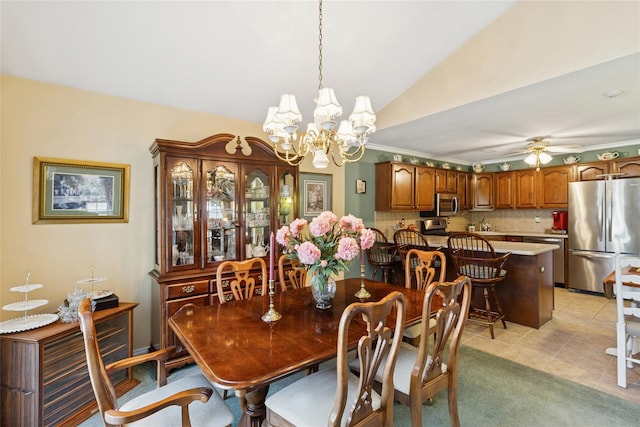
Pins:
x: 516, y: 220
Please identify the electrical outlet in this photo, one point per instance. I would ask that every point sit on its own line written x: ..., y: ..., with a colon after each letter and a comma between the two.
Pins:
x: 537, y: 218
x: 448, y: 221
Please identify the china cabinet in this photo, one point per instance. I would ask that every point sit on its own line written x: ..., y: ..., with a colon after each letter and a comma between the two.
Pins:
x: 217, y: 199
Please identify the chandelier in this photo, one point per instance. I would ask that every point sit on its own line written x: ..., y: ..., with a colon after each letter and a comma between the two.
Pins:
x: 345, y: 143
x: 538, y: 155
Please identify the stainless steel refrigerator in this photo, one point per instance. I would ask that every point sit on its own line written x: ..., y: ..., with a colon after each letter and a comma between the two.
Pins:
x: 604, y: 217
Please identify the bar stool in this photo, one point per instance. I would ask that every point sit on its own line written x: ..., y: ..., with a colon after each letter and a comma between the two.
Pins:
x: 382, y: 255
x: 474, y: 257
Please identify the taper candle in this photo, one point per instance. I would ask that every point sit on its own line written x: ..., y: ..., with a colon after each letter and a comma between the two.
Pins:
x: 361, y: 257
x: 272, y: 250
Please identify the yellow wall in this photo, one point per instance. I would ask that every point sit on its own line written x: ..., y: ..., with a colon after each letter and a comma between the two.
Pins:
x: 46, y: 120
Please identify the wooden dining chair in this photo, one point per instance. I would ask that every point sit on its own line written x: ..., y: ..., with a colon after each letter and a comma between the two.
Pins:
x: 628, y: 313
x: 474, y: 256
x: 185, y: 402
x: 293, y: 270
x: 382, y: 255
x: 308, y: 401
x: 421, y: 373
x: 243, y: 282
x: 425, y: 273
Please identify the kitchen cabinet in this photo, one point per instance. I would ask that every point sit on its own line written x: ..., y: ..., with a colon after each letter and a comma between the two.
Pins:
x: 446, y: 181
x: 216, y: 199
x: 464, y: 190
x: 629, y: 166
x: 44, y: 380
x: 404, y: 187
x: 553, y: 186
x: 526, y: 188
x: 483, y: 191
x: 505, y: 194
x: 591, y: 171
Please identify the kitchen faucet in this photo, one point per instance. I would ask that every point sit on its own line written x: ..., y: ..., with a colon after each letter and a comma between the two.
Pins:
x: 484, y: 225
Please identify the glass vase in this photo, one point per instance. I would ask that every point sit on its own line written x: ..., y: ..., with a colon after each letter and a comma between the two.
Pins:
x: 323, y: 289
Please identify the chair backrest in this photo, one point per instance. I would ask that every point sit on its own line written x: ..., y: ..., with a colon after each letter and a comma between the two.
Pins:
x: 424, y: 263
x: 379, y: 235
x: 100, y: 381
x: 450, y: 318
x: 374, y: 346
x: 243, y: 283
x: 407, y: 239
x: 297, y: 274
x: 470, y: 245
x: 627, y: 270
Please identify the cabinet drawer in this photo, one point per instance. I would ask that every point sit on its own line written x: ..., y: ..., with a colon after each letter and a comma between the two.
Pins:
x: 187, y: 289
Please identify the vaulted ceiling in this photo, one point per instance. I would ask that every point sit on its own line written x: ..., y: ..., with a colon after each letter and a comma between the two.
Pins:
x: 461, y: 81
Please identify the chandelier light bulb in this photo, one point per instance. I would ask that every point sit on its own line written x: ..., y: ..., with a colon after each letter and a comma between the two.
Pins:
x: 320, y: 159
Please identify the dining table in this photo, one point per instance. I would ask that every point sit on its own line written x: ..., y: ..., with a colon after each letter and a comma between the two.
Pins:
x: 609, y: 282
x: 238, y: 351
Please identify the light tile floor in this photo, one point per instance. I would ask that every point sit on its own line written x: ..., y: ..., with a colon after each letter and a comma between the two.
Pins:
x: 571, y: 345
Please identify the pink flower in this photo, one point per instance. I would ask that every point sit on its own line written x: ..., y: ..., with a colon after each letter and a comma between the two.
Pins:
x: 296, y: 226
x: 347, y: 249
x: 308, y: 253
x: 324, y: 263
x: 282, y: 236
x: 350, y: 222
x: 320, y: 226
x: 367, y: 238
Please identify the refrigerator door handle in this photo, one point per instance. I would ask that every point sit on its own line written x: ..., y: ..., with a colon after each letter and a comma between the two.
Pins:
x: 589, y: 254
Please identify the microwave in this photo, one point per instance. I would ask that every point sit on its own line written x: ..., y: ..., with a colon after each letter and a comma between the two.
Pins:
x: 446, y: 205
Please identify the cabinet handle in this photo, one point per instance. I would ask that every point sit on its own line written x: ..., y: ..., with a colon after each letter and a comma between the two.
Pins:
x: 225, y: 283
x: 188, y: 289
x: 228, y: 297
x: 542, y: 269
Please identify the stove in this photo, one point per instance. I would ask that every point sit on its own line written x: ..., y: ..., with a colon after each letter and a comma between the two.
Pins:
x: 434, y: 226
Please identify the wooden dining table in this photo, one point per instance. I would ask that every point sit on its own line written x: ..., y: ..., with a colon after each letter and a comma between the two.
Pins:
x: 238, y: 351
x: 609, y: 282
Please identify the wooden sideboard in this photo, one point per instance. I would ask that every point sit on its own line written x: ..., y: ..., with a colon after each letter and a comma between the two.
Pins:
x: 44, y: 379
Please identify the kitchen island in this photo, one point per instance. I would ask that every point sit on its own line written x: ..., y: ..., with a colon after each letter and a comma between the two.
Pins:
x: 526, y: 293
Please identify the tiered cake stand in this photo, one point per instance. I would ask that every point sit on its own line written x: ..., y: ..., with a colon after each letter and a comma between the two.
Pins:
x: 26, y: 322
x: 92, y: 281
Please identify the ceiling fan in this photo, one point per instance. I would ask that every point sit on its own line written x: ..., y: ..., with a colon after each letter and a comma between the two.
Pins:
x: 538, y: 150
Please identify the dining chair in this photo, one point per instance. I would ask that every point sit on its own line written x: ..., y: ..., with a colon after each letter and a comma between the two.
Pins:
x: 425, y: 273
x: 407, y: 239
x: 628, y: 313
x: 243, y: 283
x: 308, y: 401
x: 421, y: 373
x: 293, y: 270
x: 187, y: 401
x: 474, y: 256
x: 382, y: 255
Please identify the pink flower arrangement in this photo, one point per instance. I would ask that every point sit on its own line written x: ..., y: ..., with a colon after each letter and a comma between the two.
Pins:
x: 326, y: 245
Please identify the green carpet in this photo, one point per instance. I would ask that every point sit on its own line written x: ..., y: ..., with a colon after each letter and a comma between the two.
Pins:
x: 491, y: 391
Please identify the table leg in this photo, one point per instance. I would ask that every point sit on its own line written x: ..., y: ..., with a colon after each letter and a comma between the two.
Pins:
x: 255, y: 411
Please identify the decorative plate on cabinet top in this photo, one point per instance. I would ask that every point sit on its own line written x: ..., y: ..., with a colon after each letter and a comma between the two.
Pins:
x: 100, y: 294
x: 27, y: 322
x: 26, y: 288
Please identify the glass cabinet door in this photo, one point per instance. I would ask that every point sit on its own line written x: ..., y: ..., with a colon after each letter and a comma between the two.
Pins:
x: 183, y: 238
x: 286, y: 207
x: 257, y: 209
x: 220, y: 212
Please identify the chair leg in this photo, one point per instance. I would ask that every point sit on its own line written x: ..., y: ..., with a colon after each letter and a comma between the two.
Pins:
x: 452, y: 396
x: 498, y: 307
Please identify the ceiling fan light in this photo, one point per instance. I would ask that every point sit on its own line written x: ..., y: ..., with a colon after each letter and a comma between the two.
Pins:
x: 544, y: 158
x: 531, y: 159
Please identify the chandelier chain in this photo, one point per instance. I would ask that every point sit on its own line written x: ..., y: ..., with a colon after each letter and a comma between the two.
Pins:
x: 320, y: 45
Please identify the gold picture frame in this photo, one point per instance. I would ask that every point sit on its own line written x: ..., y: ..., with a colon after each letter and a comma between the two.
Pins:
x: 79, y: 191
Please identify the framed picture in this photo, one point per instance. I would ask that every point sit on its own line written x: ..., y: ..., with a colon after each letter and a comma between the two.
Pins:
x: 361, y: 186
x: 315, y: 194
x: 79, y: 191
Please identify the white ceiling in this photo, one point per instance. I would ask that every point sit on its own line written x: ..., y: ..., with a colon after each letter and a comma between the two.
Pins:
x: 235, y: 58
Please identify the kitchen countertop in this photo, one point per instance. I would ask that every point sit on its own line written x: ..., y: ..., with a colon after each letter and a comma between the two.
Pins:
x: 521, y: 233
x: 501, y: 247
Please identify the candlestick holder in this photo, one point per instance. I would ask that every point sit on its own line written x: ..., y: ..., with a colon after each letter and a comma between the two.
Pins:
x: 271, y: 315
x: 362, y: 292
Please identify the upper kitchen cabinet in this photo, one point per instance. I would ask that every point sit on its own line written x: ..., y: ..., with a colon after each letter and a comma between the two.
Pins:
x: 404, y: 187
x: 505, y: 194
x: 553, y: 186
x: 446, y: 181
x: 629, y: 166
x: 591, y: 171
x: 464, y: 190
x: 525, y: 185
x: 213, y: 198
x: 483, y: 191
